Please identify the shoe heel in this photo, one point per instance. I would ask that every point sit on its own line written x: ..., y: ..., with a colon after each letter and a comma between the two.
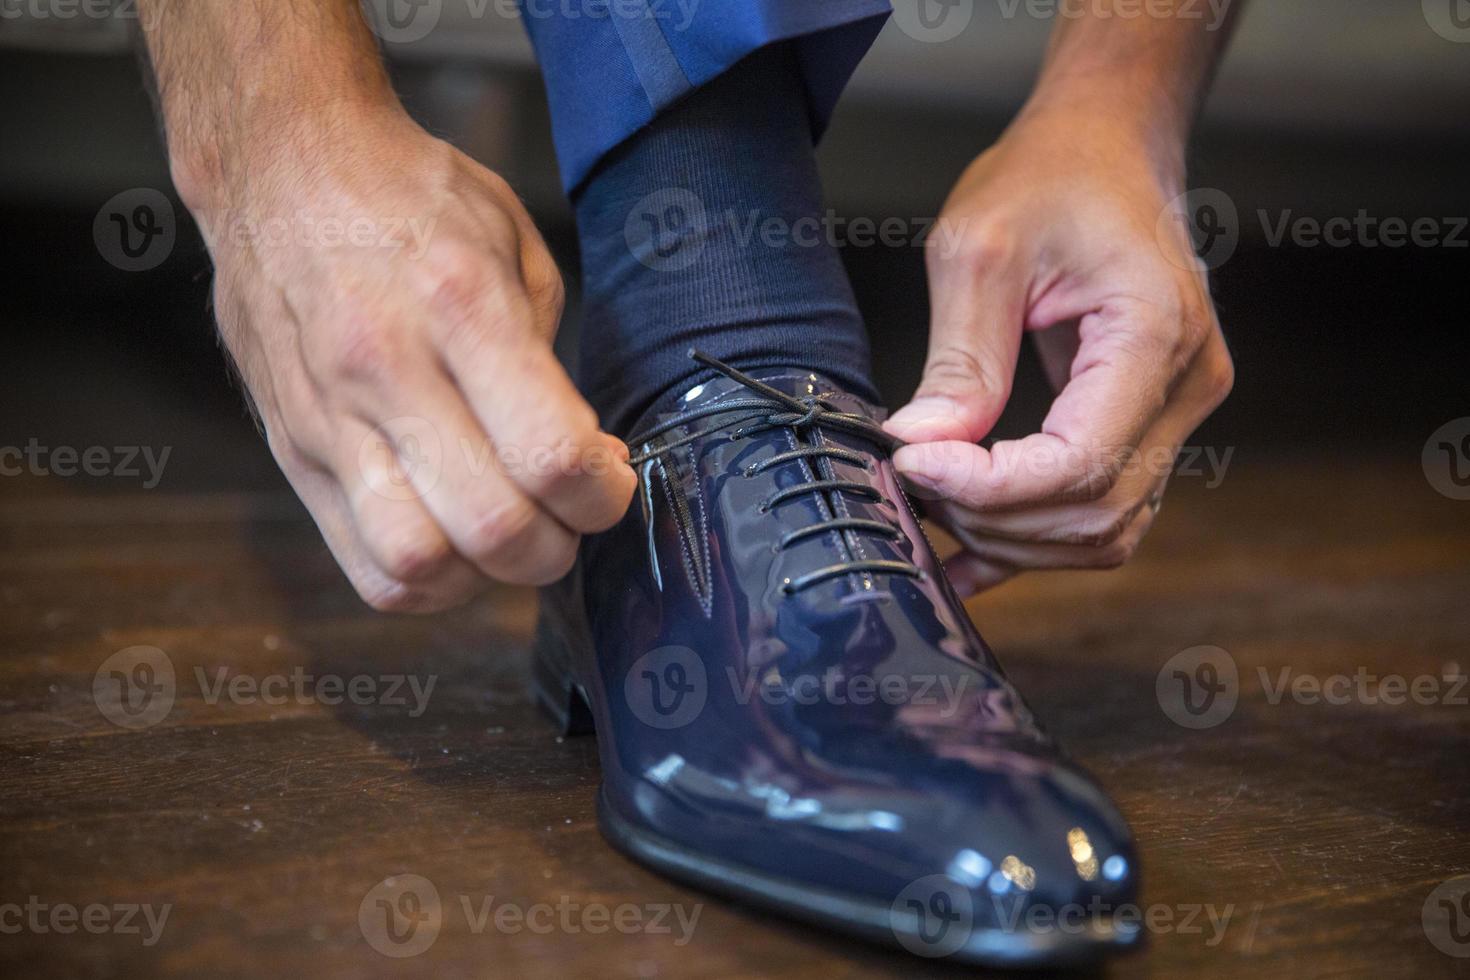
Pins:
x: 562, y: 638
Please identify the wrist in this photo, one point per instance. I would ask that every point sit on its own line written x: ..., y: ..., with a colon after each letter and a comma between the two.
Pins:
x: 1093, y: 124
x: 264, y: 133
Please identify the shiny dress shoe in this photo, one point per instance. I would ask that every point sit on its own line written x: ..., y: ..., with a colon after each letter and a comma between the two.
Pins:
x: 793, y: 708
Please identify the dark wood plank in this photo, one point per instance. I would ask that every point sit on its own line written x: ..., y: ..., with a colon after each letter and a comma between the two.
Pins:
x: 1321, y: 828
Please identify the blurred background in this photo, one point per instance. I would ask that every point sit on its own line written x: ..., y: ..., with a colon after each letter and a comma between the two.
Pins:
x: 1347, y: 109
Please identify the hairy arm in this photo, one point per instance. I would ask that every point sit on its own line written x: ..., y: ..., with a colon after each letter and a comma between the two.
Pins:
x: 234, y: 75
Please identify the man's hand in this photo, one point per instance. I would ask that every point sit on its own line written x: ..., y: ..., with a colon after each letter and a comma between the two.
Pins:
x: 391, y: 308
x: 1056, y: 230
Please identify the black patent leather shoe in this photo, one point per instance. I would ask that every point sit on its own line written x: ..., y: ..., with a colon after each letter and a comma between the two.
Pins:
x: 793, y: 708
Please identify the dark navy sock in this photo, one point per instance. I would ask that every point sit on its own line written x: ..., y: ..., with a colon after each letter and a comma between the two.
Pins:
x: 706, y: 230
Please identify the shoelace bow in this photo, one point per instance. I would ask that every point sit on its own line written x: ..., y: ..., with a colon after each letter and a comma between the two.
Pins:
x: 769, y: 408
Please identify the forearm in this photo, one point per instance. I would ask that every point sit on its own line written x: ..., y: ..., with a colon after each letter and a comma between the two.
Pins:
x: 254, y: 75
x: 1137, y: 67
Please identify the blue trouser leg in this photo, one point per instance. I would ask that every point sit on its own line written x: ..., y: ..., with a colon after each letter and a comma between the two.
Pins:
x: 703, y: 224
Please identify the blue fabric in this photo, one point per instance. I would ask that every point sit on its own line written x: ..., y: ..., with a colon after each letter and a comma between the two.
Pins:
x: 611, y: 66
x: 673, y: 255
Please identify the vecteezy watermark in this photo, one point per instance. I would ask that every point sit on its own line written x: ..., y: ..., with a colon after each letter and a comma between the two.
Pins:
x: 670, y: 228
x: 39, y: 917
x: 1446, y: 459
x: 402, y: 916
x: 136, y: 688
x: 1208, y: 218
x: 1450, y: 19
x: 1198, y: 687
x: 78, y: 10
x: 937, y: 915
x: 1199, y: 227
x: 124, y: 462
x: 838, y: 687
x: 305, y: 230
x: 1363, y: 686
x: 667, y: 230
x: 935, y: 21
x: 1446, y: 917
x: 669, y: 687
x: 403, y: 459
x: 1212, y: 12
x: 407, y: 21
x: 136, y: 229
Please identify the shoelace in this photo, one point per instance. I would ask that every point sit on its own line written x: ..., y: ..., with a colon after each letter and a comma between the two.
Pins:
x: 769, y: 408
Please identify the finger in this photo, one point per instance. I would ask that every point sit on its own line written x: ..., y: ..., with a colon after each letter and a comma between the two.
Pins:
x: 1119, y: 386
x: 1057, y: 348
x: 324, y: 500
x: 978, y: 299
x: 400, y: 535
x: 450, y: 466
x: 1021, y: 555
x: 970, y: 574
x: 545, y: 432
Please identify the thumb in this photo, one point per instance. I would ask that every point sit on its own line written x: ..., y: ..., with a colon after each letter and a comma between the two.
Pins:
x: 974, y: 340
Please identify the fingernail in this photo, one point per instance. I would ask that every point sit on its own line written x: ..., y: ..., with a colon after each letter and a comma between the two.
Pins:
x: 926, y: 419
x: 910, y: 460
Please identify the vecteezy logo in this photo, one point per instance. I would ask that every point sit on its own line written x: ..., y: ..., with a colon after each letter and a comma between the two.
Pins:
x: 1205, y: 220
x: 1446, y: 917
x: 401, y: 459
x: 1450, y: 19
x: 136, y: 230
x: 932, y: 916
x: 933, y: 21
x: 134, y: 688
x: 667, y: 687
x: 1198, y: 687
x: 1446, y: 459
x: 400, y: 916
x: 403, y: 21
x: 666, y: 230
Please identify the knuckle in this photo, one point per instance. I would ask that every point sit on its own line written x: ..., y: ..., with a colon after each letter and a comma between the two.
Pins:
x: 1103, y: 529
x: 989, y: 246
x: 1101, y: 472
x: 453, y: 277
x: 287, y: 450
x: 1118, y: 553
x: 1221, y: 378
x: 388, y: 596
x: 366, y: 350
x: 493, y: 530
x: 414, y: 558
x: 545, y: 286
x: 555, y: 566
x: 956, y: 370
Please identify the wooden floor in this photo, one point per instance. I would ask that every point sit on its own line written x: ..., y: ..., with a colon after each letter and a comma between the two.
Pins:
x: 264, y: 829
